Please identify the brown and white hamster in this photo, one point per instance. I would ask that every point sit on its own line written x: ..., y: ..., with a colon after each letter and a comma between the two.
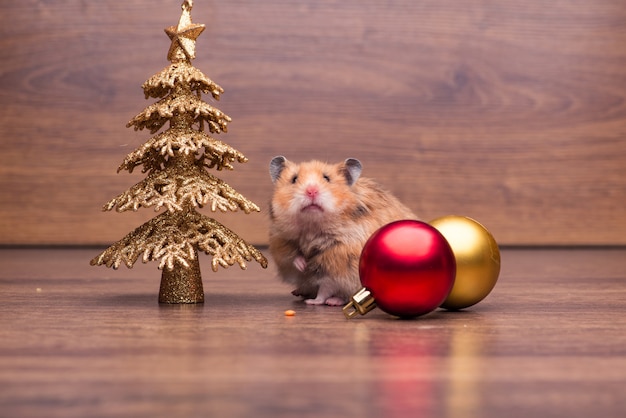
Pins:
x: 321, y: 217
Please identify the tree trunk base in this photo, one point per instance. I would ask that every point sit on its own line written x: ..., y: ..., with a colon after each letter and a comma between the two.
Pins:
x: 182, y: 284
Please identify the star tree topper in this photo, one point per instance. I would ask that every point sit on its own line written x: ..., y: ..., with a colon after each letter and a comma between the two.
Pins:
x: 184, y: 35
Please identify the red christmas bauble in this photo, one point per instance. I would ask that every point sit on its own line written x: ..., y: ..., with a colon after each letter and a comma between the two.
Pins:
x: 408, y: 267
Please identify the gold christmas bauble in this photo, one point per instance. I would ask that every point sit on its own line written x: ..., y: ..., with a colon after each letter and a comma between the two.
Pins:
x: 477, y: 260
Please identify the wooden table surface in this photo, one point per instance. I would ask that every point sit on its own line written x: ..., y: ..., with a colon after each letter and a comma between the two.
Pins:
x: 79, y: 341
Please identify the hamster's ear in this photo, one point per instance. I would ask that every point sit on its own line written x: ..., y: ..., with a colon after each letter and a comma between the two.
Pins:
x: 353, y: 170
x: 276, y: 167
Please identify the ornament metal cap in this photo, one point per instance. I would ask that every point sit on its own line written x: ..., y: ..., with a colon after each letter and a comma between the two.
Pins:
x: 361, y: 303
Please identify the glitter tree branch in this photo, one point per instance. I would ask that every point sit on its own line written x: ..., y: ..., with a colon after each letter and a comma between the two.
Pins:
x: 154, y: 154
x: 173, y: 238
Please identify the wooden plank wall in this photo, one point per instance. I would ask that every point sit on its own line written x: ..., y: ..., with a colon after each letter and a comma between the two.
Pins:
x: 513, y: 113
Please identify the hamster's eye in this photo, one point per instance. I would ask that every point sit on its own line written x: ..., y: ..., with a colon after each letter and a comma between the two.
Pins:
x: 294, y: 179
x: 327, y: 178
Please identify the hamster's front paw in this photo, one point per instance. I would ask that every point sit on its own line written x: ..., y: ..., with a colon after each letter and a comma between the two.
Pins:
x: 299, y: 263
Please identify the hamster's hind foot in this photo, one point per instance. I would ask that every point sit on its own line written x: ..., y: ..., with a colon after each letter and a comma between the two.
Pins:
x: 332, y: 301
x: 317, y: 301
x: 335, y: 301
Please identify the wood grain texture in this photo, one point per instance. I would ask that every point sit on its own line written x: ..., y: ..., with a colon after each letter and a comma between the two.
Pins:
x: 78, y: 341
x: 511, y: 113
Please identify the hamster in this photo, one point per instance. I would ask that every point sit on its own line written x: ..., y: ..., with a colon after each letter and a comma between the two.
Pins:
x: 321, y: 216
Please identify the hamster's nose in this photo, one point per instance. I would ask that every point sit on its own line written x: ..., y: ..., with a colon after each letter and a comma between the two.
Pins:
x: 311, y: 191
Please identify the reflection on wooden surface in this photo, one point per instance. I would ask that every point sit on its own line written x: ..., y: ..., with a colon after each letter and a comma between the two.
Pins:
x: 83, y: 341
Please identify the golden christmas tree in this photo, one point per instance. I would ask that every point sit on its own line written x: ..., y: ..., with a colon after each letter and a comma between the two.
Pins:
x: 176, y: 163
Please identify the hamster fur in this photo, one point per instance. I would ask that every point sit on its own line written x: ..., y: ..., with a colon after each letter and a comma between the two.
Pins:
x: 321, y: 216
